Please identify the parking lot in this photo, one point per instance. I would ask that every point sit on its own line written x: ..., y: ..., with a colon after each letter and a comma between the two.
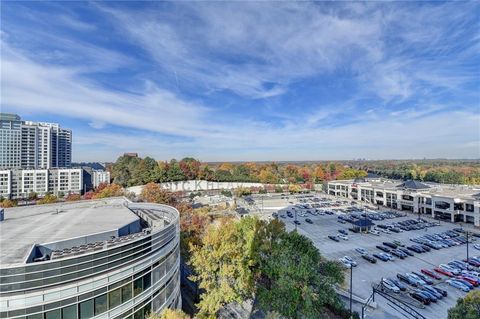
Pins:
x: 366, y: 274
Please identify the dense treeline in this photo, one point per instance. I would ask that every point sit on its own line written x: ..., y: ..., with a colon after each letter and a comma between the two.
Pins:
x: 130, y: 171
x: 438, y: 171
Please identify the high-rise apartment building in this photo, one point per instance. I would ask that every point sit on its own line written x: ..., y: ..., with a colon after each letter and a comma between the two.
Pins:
x: 10, y: 140
x: 33, y: 145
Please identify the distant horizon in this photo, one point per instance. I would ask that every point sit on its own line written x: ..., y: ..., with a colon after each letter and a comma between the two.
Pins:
x: 295, y: 161
x: 248, y: 81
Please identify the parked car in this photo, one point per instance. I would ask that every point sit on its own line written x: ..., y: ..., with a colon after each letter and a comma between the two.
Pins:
x: 361, y: 251
x: 390, y: 257
x: 428, y: 294
x: 334, y: 238
x: 383, y: 248
x: 381, y: 257
x: 406, y: 251
x: 345, y: 263
x: 407, y: 280
x: 472, y: 281
x: 308, y: 220
x: 451, y: 269
x: 443, y: 271
x: 420, y: 297
x: 398, y: 243
x: 343, y: 231
x: 430, y: 274
x: 415, y: 278
x: 465, y: 282
x: 350, y: 260
x: 433, y: 291
x: 397, y: 282
x: 398, y: 253
x: 391, y: 245
x: 457, y: 284
x: 369, y: 258
x: 427, y: 280
x: 342, y: 236
x: 374, y: 232
x: 390, y: 285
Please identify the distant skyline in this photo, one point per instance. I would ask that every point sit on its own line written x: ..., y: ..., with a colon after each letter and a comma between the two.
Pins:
x: 241, y: 81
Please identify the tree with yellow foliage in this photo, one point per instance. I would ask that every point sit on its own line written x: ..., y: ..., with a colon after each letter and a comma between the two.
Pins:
x: 169, y: 314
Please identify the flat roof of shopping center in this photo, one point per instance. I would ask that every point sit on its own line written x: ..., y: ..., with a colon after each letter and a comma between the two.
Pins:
x: 28, y: 225
x: 441, y: 190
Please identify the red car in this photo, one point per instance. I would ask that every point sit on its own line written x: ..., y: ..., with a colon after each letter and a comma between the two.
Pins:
x: 443, y: 272
x: 431, y: 274
x: 470, y: 280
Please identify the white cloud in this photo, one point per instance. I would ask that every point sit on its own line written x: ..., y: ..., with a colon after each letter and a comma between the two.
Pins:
x: 283, y: 44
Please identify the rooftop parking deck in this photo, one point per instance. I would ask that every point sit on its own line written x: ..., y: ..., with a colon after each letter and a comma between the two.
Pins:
x: 26, y: 226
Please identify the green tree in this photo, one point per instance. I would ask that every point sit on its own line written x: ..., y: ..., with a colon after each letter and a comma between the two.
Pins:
x: 123, y: 170
x: 143, y: 171
x: 295, y: 280
x: 174, y: 172
x: 224, y: 263
x: 466, y: 308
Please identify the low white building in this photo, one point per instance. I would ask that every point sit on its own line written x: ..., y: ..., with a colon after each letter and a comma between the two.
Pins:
x: 99, y: 177
x: 441, y: 201
x: 20, y: 183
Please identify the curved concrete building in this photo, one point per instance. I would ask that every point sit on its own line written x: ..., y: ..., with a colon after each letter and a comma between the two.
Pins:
x: 89, y: 259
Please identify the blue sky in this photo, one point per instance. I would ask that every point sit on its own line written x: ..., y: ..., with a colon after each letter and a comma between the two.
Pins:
x: 248, y: 81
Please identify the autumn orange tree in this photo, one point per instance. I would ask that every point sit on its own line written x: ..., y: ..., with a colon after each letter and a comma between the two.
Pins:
x: 73, y: 197
x: 154, y: 193
x: 111, y: 190
x: 47, y: 199
x: 8, y: 203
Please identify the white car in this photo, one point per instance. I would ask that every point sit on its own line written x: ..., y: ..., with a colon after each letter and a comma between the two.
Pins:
x: 477, y: 246
x: 386, y: 231
x: 374, y: 232
x: 454, y: 271
x: 390, y: 285
x: 342, y: 236
x: 345, y: 262
x: 350, y: 260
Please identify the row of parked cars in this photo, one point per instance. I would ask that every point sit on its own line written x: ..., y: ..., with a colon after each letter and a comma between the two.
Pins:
x: 441, y: 240
x: 360, y: 214
x: 463, y: 275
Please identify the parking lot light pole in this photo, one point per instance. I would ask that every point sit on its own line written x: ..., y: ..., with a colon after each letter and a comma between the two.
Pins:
x: 468, y: 258
x: 351, y: 280
x: 295, y: 219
